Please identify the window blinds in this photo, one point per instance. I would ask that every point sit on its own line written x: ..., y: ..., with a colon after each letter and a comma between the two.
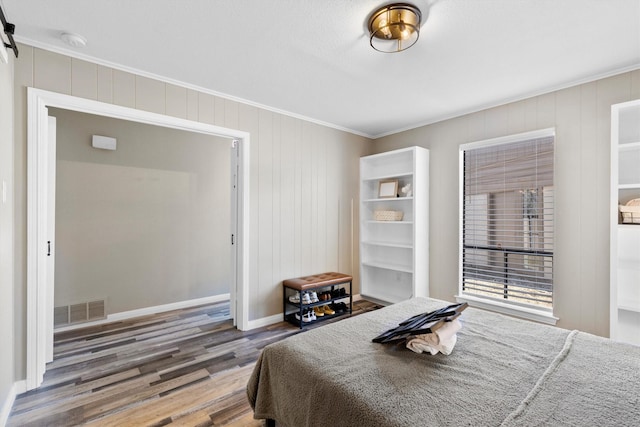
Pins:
x: 507, y: 221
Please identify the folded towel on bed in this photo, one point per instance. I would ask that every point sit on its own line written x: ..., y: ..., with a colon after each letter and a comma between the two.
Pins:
x: 441, y: 341
x: 420, y: 345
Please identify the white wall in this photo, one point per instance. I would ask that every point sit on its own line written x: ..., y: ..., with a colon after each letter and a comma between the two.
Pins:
x: 582, y: 118
x: 6, y: 227
x: 145, y: 225
x: 304, y: 177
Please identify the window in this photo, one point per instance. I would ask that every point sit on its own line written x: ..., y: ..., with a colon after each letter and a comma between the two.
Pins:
x: 507, y: 220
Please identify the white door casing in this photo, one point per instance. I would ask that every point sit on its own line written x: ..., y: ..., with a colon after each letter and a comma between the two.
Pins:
x: 38, y: 159
x: 234, y: 169
x: 51, y: 234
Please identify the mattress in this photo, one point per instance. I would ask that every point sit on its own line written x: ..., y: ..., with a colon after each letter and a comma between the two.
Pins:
x: 502, y: 372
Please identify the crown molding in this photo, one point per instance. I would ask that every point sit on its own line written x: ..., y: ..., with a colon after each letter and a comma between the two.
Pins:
x: 142, y: 73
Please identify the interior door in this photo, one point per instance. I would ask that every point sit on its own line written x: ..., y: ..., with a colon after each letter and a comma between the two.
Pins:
x: 51, y: 234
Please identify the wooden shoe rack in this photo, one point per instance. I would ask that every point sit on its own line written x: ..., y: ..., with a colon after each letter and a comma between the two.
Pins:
x: 325, y: 282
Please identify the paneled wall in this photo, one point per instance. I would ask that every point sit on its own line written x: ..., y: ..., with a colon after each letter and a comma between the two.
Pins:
x: 303, y: 175
x: 581, y: 116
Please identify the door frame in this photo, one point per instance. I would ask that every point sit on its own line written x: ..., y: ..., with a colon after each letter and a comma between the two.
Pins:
x: 37, y: 172
x: 51, y: 232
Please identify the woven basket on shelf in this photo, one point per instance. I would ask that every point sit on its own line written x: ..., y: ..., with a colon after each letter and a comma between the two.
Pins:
x: 388, y: 215
x: 630, y: 212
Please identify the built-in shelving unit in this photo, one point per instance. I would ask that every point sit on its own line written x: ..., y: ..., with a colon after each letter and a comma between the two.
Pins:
x: 394, y: 255
x: 625, y: 238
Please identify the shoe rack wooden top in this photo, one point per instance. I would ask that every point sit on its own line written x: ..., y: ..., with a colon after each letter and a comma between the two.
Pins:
x: 317, y: 281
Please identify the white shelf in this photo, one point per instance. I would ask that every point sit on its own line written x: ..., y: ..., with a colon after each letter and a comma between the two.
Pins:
x: 389, y: 266
x: 390, y: 199
x: 394, y: 258
x: 385, y: 298
x: 392, y: 176
x: 625, y: 238
x: 370, y: 221
x: 388, y: 244
x: 635, y: 185
x: 634, y: 306
x: 631, y: 227
x: 629, y: 146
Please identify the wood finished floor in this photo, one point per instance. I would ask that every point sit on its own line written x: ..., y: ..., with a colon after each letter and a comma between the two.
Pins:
x: 186, y: 367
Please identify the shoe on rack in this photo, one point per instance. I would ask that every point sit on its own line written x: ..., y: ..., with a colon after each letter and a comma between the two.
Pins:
x: 314, y: 296
x: 310, y: 316
x: 295, y: 298
x: 318, y: 311
x: 343, y: 292
x: 339, y: 307
x: 327, y: 310
x: 306, y: 299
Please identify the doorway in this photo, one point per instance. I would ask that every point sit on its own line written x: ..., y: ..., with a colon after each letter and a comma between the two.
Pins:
x: 38, y: 322
x: 140, y: 226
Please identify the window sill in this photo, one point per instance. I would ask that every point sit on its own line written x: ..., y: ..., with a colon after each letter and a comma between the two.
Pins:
x: 542, y: 316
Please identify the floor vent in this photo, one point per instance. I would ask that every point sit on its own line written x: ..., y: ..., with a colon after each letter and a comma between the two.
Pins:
x: 79, y: 313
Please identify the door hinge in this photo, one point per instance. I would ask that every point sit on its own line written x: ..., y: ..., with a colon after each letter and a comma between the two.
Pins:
x: 232, y: 239
x: 48, y: 247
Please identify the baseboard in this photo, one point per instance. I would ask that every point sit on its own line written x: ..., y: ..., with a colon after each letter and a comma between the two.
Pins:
x: 20, y: 386
x: 270, y: 320
x: 17, y: 388
x: 126, y: 315
x: 265, y: 321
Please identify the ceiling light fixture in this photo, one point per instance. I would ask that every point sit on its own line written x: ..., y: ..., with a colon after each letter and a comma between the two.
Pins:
x: 394, y: 27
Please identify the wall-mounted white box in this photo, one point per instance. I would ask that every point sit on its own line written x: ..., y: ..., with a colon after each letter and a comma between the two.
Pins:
x: 103, y: 142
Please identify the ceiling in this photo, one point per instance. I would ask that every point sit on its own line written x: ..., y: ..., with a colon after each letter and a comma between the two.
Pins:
x: 312, y: 59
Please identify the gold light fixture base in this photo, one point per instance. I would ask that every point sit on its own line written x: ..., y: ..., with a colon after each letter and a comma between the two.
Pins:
x: 394, y: 27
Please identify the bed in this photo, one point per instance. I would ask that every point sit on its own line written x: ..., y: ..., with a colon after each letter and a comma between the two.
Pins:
x: 502, y: 372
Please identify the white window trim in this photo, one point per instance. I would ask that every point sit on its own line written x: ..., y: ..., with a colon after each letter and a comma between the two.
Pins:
x: 526, y: 312
x: 529, y: 313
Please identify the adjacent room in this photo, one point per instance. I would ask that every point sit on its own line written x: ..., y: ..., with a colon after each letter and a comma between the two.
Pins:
x: 142, y: 224
x: 320, y: 212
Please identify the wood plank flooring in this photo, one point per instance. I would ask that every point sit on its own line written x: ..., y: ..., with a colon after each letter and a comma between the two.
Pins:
x: 186, y: 367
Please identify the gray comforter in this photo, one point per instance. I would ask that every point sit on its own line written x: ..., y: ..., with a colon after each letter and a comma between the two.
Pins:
x: 502, y: 372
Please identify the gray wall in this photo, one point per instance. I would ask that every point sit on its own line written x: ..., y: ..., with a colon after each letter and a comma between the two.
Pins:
x: 144, y: 225
x: 6, y: 227
x: 582, y: 118
x: 304, y: 176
